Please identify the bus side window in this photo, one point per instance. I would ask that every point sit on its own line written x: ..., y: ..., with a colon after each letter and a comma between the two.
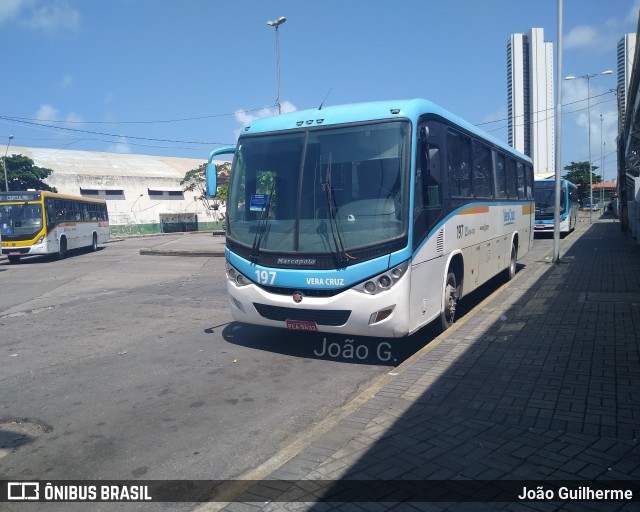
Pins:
x: 511, y: 179
x: 459, y: 165
x: 520, y: 180
x: 482, y: 171
x: 529, y: 174
x: 432, y: 185
x: 501, y: 177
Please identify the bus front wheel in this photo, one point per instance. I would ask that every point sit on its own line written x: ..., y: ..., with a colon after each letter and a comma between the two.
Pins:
x: 14, y: 259
x: 450, y: 302
x: 94, y: 245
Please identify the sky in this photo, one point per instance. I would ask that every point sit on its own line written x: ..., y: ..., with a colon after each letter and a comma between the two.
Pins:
x: 180, y: 78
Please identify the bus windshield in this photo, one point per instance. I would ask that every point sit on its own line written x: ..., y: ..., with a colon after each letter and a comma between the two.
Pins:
x: 22, y: 219
x: 322, y: 191
x: 545, y: 199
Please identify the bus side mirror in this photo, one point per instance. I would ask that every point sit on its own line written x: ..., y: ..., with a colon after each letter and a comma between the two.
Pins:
x: 211, y: 180
x: 211, y: 176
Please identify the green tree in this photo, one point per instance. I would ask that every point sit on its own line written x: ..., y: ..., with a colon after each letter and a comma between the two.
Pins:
x: 23, y: 175
x: 578, y: 174
x: 195, y: 181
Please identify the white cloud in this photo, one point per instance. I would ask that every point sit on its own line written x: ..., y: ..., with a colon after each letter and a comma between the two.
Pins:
x: 47, y: 113
x: 120, y: 146
x: 10, y: 9
x: 600, y: 38
x: 582, y: 36
x: 245, y: 118
x: 574, y: 97
x: 66, y: 82
x: 73, y: 118
x: 54, y: 18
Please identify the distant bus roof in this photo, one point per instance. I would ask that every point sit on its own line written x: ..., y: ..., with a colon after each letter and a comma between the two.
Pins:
x: 361, y: 112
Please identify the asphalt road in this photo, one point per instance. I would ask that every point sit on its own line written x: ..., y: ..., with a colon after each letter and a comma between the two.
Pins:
x: 115, y: 365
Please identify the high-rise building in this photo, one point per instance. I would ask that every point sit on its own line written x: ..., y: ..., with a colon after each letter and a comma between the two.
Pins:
x: 531, y: 107
x: 626, y: 51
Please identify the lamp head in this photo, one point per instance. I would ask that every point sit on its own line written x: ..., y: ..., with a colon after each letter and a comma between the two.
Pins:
x: 277, y: 22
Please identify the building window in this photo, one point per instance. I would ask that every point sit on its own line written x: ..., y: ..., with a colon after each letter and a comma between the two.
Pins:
x: 164, y: 194
x: 102, y: 193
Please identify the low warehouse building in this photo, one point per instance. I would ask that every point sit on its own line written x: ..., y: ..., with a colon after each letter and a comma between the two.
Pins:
x: 143, y: 192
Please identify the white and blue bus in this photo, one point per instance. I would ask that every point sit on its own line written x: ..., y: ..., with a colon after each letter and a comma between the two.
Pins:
x: 545, y: 193
x: 369, y: 219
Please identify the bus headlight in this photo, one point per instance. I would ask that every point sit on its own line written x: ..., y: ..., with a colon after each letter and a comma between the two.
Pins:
x: 383, y: 281
x: 39, y: 240
x: 236, y: 277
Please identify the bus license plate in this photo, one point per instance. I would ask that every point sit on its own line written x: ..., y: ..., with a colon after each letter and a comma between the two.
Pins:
x: 300, y: 325
x: 14, y: 253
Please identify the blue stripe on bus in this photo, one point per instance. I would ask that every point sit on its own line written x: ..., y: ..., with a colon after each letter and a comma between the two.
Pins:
x: 351, y: 275
x: 309, y: 278
x: 457, y: 212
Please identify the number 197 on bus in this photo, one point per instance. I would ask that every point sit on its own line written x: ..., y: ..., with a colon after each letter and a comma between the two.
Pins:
x: 265, y: 277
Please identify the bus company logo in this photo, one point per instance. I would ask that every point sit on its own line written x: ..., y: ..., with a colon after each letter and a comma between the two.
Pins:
x: 297, y: 297
x: 296, y: 261
x: 509, y: 217
x: 23, y: 491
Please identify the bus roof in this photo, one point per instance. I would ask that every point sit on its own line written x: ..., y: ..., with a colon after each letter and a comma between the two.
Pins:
x: 361, y: 112
x: 36, y: 195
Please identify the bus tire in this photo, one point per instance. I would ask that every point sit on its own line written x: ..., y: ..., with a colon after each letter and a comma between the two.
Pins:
x: 510, y: 272
x: 14, y: 259
x: 62, y: 251
x: 450, y: 301
x: 94, y: 243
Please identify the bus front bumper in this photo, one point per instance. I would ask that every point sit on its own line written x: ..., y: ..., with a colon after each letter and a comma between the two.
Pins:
x: 350, y: 312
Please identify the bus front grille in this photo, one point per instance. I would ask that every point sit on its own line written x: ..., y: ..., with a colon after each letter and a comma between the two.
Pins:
x: 333, y: 317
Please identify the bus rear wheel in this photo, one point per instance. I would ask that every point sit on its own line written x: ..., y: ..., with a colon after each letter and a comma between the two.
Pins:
x: 510, y: 272
x: 450, y: 302
x: 62, y: 251
x: 94, y: 244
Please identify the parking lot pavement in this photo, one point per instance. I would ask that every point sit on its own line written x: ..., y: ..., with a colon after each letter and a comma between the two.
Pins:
x: 190, y: 244
x: 539, y: 383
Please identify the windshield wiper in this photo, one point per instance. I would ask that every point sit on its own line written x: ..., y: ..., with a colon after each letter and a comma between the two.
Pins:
x: 262, y: 226
x: 342, y: 255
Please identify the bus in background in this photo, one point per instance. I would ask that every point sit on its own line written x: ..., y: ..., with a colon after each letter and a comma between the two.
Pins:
x: 544, y: 192
x: 369, y: 219
x: 39, y: 222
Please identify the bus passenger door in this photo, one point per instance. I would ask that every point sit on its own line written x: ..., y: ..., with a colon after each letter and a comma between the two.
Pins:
x: 428, y: 191
x: 426, y: 291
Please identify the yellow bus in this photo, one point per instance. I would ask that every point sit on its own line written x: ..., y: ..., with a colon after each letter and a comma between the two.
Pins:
x: 40, y: 222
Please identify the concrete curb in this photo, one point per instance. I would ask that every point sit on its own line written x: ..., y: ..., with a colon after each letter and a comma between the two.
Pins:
x: 180, y: 252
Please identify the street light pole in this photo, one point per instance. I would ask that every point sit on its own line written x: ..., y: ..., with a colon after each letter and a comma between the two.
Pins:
x: 558, y: 148
x: 601, y: 166
x: 589, y: 76
x: 4, y: 162
x: 276, y: 24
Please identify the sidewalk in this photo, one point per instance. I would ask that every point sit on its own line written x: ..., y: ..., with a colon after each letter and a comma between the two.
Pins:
x: 540, y: 382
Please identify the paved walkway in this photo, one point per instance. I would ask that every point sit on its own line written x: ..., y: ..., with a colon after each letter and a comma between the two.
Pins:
x: 540, y: 382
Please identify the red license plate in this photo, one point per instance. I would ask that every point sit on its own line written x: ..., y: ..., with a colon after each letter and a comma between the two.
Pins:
x: 300, y: 325
x: 14, y: 253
